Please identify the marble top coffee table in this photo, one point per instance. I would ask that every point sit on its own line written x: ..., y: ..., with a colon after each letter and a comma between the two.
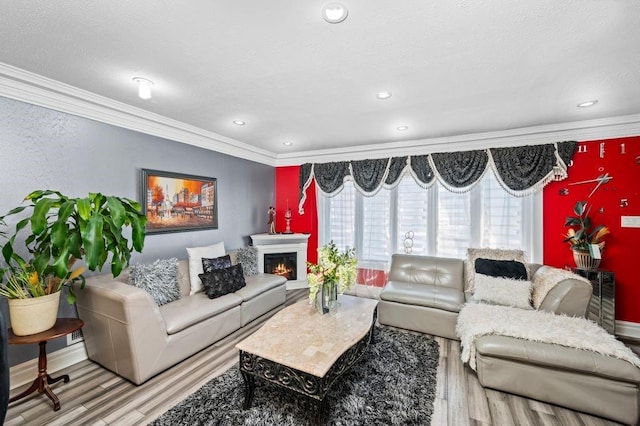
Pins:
x: 306, y: 352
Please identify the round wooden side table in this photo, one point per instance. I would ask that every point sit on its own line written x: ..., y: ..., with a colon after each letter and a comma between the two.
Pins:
x: 62, y: 327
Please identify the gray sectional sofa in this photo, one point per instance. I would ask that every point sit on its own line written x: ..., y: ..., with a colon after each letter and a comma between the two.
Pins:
x: 126, y: 332
x: 427, y: 293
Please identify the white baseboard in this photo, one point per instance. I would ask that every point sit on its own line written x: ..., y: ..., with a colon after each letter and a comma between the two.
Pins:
x: 26, y: 372
x: 628, y: 329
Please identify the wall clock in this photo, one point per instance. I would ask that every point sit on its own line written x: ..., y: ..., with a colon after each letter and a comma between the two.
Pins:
x: 599, y: 181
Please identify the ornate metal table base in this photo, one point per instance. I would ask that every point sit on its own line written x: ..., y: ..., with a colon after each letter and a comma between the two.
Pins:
x: 252, y: 366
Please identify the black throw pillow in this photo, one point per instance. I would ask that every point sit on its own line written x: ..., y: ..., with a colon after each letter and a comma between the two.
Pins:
x: 501, y: 268
x: 221, y: 262
x: 223, y: 281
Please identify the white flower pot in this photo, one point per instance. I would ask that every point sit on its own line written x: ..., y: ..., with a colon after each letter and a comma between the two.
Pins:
x: 33, y: 315
x: 584, y: 260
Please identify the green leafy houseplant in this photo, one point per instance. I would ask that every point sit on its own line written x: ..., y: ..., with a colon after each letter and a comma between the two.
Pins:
x: 582, y: 233
x: 63, y: 230
x: 333, y: 268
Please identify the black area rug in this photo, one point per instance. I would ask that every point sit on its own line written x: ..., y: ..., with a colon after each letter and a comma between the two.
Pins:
x: 393, y: 384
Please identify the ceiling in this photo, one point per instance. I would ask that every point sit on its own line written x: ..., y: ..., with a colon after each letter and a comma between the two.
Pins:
x: 453, y: 67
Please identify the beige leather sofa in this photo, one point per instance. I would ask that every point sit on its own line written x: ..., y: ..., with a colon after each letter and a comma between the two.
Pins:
x: 126, y: 332
x: 426, y: 293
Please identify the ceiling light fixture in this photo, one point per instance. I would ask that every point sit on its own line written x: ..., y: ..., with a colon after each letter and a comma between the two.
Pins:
x: 334, y: 13
x: 588, y: 104
x: 239, y: 122
x: 402, y: 128
x: 144, y: 87
x: 383, y: 95
x: 287, y: 143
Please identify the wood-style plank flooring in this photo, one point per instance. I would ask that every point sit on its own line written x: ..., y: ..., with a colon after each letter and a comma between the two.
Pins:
x: 95, y: 396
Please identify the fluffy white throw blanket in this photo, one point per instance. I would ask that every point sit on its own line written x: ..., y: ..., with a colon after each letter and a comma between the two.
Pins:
x: 479, y: 319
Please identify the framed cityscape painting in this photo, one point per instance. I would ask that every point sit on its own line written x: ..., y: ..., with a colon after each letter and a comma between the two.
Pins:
x: 175, y: 202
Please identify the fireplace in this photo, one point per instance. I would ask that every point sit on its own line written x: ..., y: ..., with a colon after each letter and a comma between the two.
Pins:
x: 285, y: 255
x: 283, y: 264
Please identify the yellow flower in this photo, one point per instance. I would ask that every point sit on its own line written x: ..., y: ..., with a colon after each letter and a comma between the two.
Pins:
x: 34, y: 279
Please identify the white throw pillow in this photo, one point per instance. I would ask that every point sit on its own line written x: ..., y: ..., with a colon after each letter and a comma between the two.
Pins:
x: 503, y: 291
x: 488, y: 253
x: 195, y: 262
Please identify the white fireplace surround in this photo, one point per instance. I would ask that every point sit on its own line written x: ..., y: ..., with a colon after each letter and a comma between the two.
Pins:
x: 284, y: 243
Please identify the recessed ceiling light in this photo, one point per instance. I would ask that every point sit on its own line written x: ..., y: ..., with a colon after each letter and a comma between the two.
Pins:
x: 144, y: 87
x: 402, y: 128
x: 334, y: 13
x: 588, y: 103
x: 287, y: 143
x: 383, y: 95
x: 239, y: 122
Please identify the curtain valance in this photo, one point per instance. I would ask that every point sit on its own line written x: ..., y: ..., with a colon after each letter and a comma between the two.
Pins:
x: 520, y: 170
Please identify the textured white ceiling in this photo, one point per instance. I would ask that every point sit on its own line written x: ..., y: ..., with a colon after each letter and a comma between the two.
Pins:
x: 454, y: 67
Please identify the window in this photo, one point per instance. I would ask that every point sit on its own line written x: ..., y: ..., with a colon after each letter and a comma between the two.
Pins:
x: 443, y: 223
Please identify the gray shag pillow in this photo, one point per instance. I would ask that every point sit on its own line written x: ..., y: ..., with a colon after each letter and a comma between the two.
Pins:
x: 248, y: 258
x: 159, y: 279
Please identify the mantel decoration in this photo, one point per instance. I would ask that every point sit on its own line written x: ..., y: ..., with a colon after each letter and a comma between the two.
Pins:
x: 63, y: 230
x: 334, y: 273
x: 582, y: 236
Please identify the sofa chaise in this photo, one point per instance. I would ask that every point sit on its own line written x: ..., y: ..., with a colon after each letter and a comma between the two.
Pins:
x: 127, y: 333
x: 426, y: 294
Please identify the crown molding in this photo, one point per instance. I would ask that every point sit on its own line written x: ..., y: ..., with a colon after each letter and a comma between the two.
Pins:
x: 604, y: 128
x: 21, y: 85
x: 25, y: 86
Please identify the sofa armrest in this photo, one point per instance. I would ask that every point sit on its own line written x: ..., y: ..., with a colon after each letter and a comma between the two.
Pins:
x: 124, y: 329
x: 570, y: 297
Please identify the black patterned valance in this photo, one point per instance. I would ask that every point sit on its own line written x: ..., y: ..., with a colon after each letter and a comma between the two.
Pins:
x: 368, y: 175
x: 520, y: 170
x: 460, y: 170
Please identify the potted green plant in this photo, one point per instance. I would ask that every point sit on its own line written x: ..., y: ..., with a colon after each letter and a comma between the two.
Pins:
x: 582, y: 234
x: 60, y: 231
x: 334, y: 273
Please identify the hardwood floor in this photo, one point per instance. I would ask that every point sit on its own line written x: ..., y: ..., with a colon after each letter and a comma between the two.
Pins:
x: 95, y: 396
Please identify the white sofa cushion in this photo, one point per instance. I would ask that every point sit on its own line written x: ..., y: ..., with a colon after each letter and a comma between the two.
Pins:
x: 195, y: 262
x: 191, y: 310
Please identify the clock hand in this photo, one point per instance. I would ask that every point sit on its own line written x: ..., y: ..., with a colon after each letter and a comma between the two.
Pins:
x: 586, y: 181
x: 600, y: 182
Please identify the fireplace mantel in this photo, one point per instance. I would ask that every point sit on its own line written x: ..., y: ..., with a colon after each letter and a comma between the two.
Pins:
x: 284, y: 243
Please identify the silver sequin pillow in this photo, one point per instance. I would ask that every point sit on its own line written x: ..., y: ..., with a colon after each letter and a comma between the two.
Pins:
x: 248, y: 258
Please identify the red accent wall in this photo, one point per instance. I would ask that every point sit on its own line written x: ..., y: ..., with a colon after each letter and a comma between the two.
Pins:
x: 620, y: 255
x: 287, y: 179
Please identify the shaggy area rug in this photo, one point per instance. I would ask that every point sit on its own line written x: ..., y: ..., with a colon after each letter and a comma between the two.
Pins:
x: 392, y: 384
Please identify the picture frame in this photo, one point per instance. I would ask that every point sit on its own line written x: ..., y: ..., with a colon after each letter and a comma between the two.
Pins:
x: 177, y: 202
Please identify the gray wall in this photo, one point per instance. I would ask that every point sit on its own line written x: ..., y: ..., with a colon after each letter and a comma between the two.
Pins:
x: 45, y: 149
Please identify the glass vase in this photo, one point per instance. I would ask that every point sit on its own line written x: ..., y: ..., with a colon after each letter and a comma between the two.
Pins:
x: 327, y: 301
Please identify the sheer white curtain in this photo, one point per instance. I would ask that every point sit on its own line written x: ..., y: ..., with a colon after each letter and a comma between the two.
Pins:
x: 443, y: 223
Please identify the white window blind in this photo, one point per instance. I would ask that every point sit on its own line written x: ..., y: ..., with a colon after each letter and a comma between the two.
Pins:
x: 443, y: 223
x: 376, y: 228
x: 412, y: 215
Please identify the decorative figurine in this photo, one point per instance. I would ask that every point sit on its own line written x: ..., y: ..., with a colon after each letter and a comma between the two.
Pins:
x: 287, y: 218
x: 272, y: 220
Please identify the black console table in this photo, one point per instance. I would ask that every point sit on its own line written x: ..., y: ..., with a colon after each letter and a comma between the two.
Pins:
x: 602, y: 308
